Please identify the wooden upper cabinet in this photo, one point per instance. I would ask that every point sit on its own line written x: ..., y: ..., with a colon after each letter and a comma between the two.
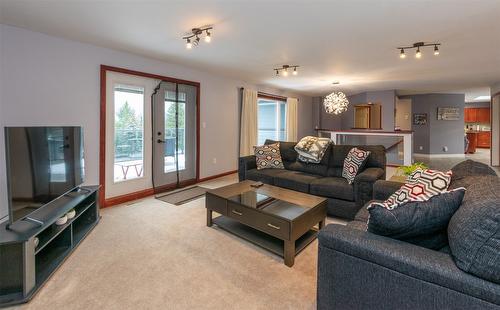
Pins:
x: 477, y: 115
x: 483, y: 115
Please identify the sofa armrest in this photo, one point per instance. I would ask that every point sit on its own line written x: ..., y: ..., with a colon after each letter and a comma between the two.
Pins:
x: 244, y: 164
x: 382, y: 189
x: 397, y: 268
x: 363, y: 184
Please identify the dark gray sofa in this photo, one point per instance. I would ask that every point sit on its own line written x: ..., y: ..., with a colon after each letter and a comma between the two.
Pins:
x: 323, y: 179
x: 361, y: 270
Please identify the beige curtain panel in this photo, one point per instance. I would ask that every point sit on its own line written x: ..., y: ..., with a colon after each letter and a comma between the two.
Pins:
x: 291, y: 119
x: 248, y: 129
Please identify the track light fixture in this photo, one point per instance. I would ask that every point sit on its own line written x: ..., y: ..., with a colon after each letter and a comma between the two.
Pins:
x: 418, y: 45
x: 284, y: 70
x: 196, y: 33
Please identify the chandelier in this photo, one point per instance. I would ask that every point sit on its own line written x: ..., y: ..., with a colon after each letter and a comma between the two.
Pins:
x: 336, y: 103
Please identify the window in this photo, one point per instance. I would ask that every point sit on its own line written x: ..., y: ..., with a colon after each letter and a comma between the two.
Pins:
x: 129, y: 132
x: 170, y: 131
x: 272, y: 120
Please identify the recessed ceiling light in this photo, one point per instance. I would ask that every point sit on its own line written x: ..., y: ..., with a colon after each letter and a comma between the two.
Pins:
x: 482, y: 98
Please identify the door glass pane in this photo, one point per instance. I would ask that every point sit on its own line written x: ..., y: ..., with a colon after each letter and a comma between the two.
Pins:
x: 129, y: 132
x: 170, y: 132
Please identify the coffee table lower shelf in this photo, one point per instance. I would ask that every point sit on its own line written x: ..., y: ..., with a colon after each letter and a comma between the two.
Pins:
x: 270, y: 243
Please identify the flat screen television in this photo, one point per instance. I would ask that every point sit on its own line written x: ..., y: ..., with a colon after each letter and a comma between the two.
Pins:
x: 43, y: 163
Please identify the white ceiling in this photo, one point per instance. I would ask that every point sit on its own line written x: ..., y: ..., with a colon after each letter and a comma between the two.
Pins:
x: 351, y: 41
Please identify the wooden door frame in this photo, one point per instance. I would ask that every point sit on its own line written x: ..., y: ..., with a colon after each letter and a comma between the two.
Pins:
x: 102, y: 137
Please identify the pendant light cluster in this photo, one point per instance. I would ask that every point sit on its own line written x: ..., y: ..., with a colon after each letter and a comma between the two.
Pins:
x: 284, y: 70
x: 193, y: 39
x: 417, y: 46
x: 336, y: 103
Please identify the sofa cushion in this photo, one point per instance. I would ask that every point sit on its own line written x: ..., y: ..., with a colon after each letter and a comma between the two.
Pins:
x: 353, y: 163
x: 474, y: 230
x: 317, y: 169
x: 338, y: 154
x: 470, y: 168
x: 465, y: 172
x: 312, y: 149
x: 332, y: 187
x: 268, y: 156
x: 287, y: 150
x: 264, y: 175
x: 295, y: 180
x: 416, y: 222
x: 429, y: 183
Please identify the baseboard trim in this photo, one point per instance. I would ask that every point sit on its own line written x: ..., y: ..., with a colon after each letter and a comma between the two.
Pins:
x: 150, y: 191
x: 127, y: 197
x: 439, y: 155
x: 217, y: 176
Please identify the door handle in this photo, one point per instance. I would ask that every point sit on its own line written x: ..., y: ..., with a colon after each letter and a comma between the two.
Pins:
x: 160, y: 141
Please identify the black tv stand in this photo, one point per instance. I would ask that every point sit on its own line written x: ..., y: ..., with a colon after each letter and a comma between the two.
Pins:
x: 24, y: 267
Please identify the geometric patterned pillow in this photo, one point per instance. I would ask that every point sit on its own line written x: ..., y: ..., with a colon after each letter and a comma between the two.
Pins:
x: 268, y: 156
x: 421, y: 187
x: 353, y: 163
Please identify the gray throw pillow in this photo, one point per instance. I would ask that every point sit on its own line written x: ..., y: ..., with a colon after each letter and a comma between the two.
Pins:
x: 421, y: 222
x: 474, y: 230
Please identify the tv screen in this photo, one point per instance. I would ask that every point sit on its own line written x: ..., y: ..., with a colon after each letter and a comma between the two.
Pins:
x: 43, y: 163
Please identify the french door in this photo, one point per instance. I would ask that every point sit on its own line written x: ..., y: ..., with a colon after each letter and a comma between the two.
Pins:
x: 128, y: 133
x: 174, y: 134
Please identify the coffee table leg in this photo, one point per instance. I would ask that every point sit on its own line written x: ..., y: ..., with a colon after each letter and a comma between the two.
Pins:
x: 209, y: 217
x: 321, y: 224
x: 289, y: 253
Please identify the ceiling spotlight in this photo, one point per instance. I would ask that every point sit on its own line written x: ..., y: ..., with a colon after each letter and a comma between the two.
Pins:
x: 193, y: 38
x: 402, y: 55
x: 284, y: 70
x: 417, y: 46
x: 418, y: 54
x: 436, y: 50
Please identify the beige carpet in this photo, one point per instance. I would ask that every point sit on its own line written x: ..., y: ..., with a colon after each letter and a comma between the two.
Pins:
x: 153, y: 255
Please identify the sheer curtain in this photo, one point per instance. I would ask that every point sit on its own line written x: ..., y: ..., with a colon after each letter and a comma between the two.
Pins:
x: 248, y: 126
x: 291, y: 119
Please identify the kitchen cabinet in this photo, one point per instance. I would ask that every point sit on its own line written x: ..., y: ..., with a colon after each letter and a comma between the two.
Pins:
x: 483, y: 139
x: 483, y: 115
x: 477, y: 115
x: 470, y: 115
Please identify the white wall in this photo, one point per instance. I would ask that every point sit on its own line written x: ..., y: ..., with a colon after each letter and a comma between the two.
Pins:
x: 53, y: 81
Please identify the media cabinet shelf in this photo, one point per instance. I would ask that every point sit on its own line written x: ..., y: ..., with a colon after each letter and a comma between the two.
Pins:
x: 24, y: 268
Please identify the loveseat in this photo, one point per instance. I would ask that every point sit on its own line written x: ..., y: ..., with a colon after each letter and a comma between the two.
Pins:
x: 361, y: 270
x: 323, y: 179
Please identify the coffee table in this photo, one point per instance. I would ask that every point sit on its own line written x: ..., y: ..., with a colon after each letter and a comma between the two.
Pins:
x: 280, y: 220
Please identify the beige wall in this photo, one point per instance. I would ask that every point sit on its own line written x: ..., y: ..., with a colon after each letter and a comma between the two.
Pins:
x: 55, y: 81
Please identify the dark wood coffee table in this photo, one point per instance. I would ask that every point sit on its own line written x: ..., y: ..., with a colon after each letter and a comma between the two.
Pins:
x: 280, y: 220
